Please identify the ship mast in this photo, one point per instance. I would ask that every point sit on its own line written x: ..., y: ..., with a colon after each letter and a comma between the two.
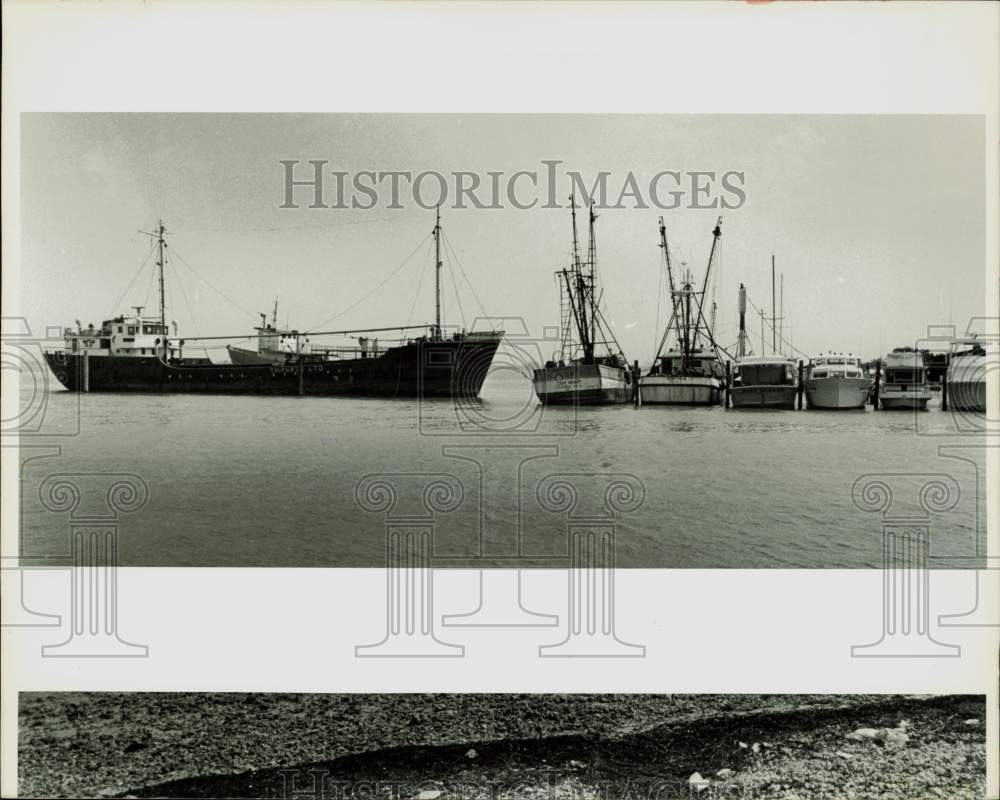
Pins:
x: 437, y: 276
x: 592, y: 264
x: 160, y: 230
x: 743, y: 348
x: 582, y: 325
x: 670, y: 271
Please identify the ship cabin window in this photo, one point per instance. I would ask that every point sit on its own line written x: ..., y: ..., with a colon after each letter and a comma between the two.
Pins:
x: 820, y: 373
x: 106, y: 344
x: 119, y: 329
x: 131, y: 330
x: 765, y: 374
x: 904, y: 375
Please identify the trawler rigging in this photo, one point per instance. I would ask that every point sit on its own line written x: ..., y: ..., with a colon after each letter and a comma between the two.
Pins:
x: 591, y: 367
x: 691, y: 371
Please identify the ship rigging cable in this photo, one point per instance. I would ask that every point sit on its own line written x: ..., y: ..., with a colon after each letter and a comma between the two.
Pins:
x: 780, y: 337
x: 458, y: 261
x: 358, y: 302
x: 219, y: 292
x: 135, y: 277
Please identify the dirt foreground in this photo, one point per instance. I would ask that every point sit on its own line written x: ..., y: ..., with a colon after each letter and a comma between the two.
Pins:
x: 439, y: 747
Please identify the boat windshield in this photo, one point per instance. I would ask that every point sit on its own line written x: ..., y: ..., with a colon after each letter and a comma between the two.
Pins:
x: 904, y: 375
x: 765, y: 374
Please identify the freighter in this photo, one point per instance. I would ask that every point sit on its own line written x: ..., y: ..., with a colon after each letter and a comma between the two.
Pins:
x: 136, y: 353
x: 590, y: 368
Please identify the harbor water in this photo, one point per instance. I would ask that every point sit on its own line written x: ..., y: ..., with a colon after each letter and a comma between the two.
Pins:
x: 259, y: 481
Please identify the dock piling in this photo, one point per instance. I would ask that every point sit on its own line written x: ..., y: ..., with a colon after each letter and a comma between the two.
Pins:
x: 636, y: 396
x: 944, y: 392
x: 729, y: 382
x: 801, y: 389
x: 85, y: 383
x: 878, y: 381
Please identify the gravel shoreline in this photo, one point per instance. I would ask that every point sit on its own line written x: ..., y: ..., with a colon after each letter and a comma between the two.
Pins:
x: 113, y: 744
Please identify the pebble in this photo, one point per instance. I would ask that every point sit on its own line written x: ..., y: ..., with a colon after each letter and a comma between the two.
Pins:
x: 472, y: 753
x: 428, y: 794
x: 972, y: 723
x: 842, y: 754
x: 724, y: 773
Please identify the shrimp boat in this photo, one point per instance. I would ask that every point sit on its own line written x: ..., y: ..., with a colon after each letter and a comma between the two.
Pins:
x: 590, y: 368
x: 967, y: 375
x: 136, y: 354
x: 904, y: 381
x: 835, y: 380
x: 691, y: 372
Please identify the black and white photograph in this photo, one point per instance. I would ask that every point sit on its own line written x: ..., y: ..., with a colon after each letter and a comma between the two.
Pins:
x: 486, y: 400
x: 444, y: 746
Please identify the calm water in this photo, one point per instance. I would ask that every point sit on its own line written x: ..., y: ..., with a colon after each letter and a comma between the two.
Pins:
x: 248, y: 481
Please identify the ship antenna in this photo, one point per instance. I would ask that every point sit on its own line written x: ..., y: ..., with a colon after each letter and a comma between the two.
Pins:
x: 437, y: 275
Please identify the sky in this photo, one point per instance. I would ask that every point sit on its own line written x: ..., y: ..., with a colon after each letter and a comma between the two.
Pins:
x: 877, y: 223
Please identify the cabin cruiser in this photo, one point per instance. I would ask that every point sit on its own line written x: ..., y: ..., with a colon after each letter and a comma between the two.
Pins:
x: 764, y: 382
x: 837, y: 381
x: 967, y: 375
x: 904, y: 381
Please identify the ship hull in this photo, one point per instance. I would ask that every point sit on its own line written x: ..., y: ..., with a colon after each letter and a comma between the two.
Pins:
x: 763, y: 396
x: 837, y: 393
x: 967, y: 383
x: 680, y: 390
x: 967, y: 396
x: 582, y: 384
x: 446, y: 368
x: 907, y: 400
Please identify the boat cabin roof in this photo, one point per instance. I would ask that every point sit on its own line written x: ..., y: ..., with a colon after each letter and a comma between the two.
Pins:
x: 751, y: 361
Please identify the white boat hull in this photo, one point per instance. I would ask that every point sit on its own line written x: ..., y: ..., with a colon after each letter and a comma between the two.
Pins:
x: 967, y: 383
x: 967, y: 396
x: 763, y: 396
x: 582, y: 384
x: 837, y: 392
x: 904, y: 399
x: 680, y: 390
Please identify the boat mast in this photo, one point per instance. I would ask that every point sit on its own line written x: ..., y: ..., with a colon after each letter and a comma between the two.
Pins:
x: 437, y: 276
x: 742, y: 349
x: 160, y: 230
x: 716, y: 235
x: 582, y: 303
x: 670, y: 272
x: 592, y: 263
x: 774, y: 313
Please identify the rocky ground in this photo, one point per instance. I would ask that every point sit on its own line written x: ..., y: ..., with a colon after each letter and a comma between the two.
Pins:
x: 439, y: 747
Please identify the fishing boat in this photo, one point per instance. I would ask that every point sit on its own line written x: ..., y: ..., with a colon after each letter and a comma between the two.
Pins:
x: 836, y: 381
x: 691, y: 371
x: 904, y: 380
x: 590, y: 368
x: 765, y: 382
x: 137, y: 354
x: 761, y: 381
x: 967, y: 375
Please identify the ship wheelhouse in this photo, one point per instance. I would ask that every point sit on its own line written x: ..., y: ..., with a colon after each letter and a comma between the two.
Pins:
x: 763, y: 371
x: 838, y: 366
x: 124, y: 336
